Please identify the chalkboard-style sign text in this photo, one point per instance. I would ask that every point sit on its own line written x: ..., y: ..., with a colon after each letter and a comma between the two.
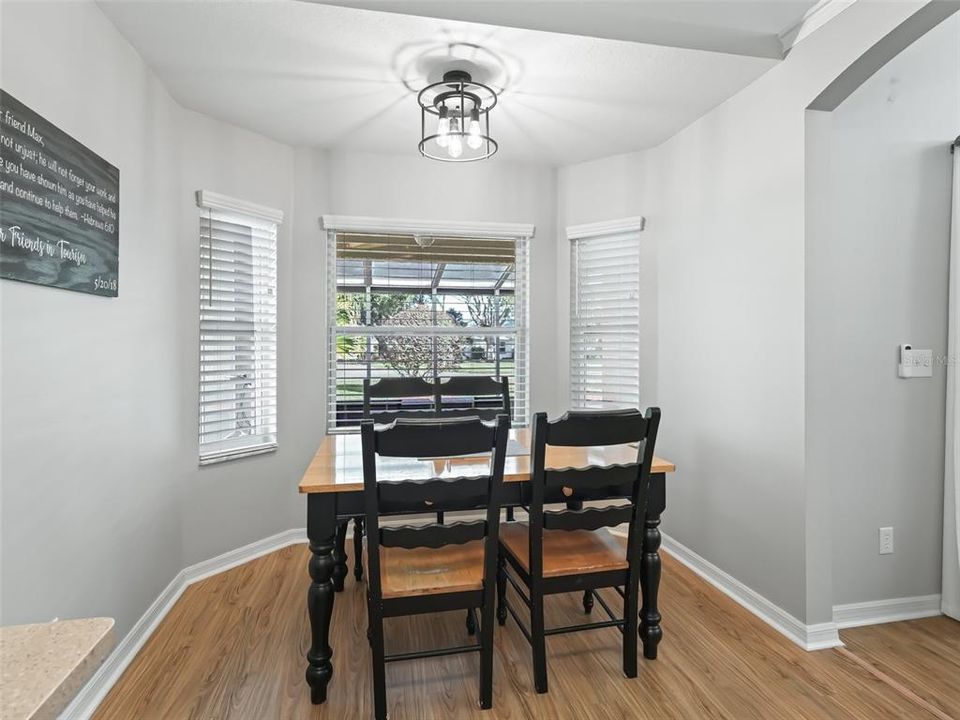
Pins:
x: 59, y: 206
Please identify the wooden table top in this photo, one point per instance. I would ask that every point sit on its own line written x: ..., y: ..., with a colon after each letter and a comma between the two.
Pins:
x: 338, y: 464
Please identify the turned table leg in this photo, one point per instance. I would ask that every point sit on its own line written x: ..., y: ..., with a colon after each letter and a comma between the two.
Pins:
x: 650, y: 631
x: 340, y: 556
x: 358, y: 548
x: 321, y: 532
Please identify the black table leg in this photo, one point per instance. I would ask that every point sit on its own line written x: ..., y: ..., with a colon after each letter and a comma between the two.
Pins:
x: 650, y: 631
x: 358, y: 548
x: 340, y: 556
x: 321, y: 531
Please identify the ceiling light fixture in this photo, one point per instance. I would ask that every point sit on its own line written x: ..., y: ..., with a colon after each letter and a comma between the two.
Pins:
x: 455, y: 119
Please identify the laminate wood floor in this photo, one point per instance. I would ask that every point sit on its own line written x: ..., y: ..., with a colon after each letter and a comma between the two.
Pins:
x: 922, y: 655
x: 234, y: 646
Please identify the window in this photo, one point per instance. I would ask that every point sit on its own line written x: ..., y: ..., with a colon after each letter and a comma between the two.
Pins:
x: 238, y: 328
x: 605, y: 316
x: 423, y: 306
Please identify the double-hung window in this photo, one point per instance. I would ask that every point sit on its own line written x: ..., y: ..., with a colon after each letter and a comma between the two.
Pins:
x: 415, y: 305
x: 605, y: 315
x: 238, y: 328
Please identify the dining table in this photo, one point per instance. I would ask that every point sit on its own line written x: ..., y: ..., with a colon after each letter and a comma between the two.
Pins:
x: 333, y: 484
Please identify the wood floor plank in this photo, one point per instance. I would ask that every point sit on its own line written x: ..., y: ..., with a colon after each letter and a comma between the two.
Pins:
x: 234, y: 646
x: 923, y: 655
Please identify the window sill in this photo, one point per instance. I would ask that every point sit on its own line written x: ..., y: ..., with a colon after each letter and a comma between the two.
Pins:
x: 226, y: 456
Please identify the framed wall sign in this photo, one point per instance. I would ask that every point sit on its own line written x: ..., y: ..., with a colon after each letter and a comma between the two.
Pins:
x: 59, y: 206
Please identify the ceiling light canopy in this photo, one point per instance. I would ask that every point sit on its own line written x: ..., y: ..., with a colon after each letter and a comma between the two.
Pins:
x: 455, y: 119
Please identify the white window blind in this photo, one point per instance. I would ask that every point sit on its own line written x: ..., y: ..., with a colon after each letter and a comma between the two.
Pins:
x: 605, y: 321
x: 238, y: 328
x: 413, y: 306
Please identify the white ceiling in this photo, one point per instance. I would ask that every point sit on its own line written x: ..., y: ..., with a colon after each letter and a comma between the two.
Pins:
x: 325, y: 76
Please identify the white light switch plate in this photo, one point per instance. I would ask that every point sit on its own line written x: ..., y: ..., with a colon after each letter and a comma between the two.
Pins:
x: 915, y: 363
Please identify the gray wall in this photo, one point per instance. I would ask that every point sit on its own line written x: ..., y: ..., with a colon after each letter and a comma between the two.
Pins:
x: 102, y: 499
x: 91, y: 481
x: 727, y: 214
x: 725, y: 202
x: 231, y: 504
x: 877, y: 277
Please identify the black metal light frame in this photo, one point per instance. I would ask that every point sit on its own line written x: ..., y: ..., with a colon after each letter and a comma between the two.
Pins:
x: 457, y: 86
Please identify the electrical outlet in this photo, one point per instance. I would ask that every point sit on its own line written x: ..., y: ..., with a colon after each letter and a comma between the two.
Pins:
x: 886, y: 541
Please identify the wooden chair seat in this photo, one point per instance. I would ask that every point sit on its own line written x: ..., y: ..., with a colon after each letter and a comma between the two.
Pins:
x: 428, y: 571
x: 566, y: 552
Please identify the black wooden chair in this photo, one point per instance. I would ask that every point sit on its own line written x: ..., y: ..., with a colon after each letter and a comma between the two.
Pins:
x: 570, y: 550
x: 432, y: 567
x: 462, y: 396
x: 383, y: 403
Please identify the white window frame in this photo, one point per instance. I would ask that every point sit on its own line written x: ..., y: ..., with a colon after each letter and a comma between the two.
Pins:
x: 521, y: 233
x: 264, y: 392
x: 626, y: 232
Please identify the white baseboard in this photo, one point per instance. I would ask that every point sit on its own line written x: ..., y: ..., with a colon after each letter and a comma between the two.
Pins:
x: 810, y: 637
x: 96, y: 689
x: 884, y: 611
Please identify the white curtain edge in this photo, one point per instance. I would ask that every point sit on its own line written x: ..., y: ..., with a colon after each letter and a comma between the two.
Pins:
x: 950, y: 591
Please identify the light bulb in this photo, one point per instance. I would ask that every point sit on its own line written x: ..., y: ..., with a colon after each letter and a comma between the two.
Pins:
x: 455, y: 146
x: 474, y: 139
x: 455, y: 140
x: 443, y: 127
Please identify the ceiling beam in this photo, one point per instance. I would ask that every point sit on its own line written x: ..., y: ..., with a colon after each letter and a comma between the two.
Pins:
x: 609, y: 19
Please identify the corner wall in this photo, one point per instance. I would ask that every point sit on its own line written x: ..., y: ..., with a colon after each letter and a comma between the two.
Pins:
x: 777, y: 234
x: 877, y: 277
x: 102, y: 499
x: 92, y: 487
x: 729, y: 221
x: 725, y: 206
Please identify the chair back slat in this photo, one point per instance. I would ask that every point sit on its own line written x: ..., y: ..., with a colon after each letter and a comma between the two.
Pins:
x: 588, y: 518
x: 472, y: 385
x: 432, y: 535
x: 493, y: 396
x: 385, y: 417
x: 581, y: 428
x: 434, y: 494
x: 430, y: 439
x: 435, y: 437
x: 594, y: 482
x: 393, y: 391
x: 484, y: 413
x: 590, y: 483
x: 399, y: 387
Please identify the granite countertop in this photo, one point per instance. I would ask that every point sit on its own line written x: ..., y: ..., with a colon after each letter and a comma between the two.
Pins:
x: 43, y: 666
